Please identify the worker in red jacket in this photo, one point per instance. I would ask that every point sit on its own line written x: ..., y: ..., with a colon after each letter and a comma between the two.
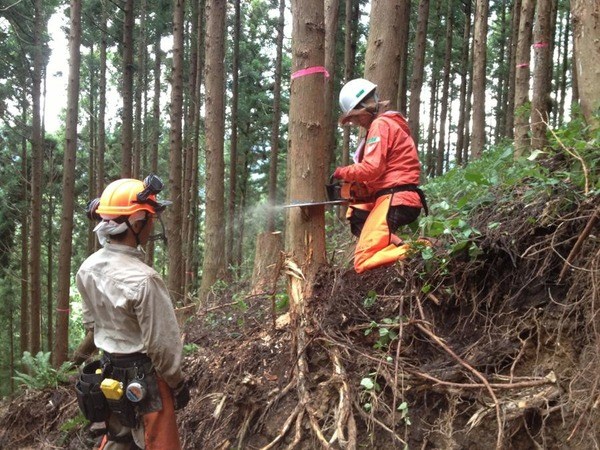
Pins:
x: 387, y: 162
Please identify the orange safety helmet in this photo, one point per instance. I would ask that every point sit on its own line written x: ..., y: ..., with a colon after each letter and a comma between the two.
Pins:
x: 126, y: 196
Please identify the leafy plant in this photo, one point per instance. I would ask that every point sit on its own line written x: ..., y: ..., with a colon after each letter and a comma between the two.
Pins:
x: 370, y: 299
x: 386, y: 332
x: 190, y: 349
x: 42, y: 374
x: 282, y: 301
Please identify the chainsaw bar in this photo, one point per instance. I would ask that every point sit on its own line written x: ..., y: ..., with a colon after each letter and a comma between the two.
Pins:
x: 308, y: 204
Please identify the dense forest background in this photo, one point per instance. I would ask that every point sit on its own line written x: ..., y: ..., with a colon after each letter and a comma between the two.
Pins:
x: 205, y: 90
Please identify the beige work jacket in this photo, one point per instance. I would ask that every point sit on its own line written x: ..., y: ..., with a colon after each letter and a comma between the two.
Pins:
x: 127, y: 304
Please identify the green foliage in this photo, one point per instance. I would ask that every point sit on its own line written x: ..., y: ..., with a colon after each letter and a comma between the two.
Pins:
x: 282, y: 301
x: 42, y: 374
x: 386, y: 332
x: 370, y: 299
x: 190, y: 349
x: 73, y: 424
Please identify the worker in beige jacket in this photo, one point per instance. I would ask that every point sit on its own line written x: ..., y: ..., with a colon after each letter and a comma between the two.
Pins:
x: 127, y: 305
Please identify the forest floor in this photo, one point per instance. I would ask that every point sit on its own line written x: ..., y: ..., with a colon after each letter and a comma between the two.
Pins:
x: 449, y: 352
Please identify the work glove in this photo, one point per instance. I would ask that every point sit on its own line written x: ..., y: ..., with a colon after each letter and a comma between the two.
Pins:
x: 181, y: 395
x: 337, y: 174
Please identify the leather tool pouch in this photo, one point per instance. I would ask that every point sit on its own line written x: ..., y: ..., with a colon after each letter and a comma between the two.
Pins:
x: 90, y: 398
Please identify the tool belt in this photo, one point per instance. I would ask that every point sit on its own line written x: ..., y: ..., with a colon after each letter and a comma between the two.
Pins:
x: 404, y: 188
x: 120, y: 370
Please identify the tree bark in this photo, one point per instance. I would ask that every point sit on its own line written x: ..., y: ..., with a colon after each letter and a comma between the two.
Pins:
x: 175, y: 278
x: 233, y: 142
x: 140, y: 85
x: 128, y: 67
x: 382, y: 58
x: 522, y: 78
x: 463, y: 98
x: 214, y: 263
x: 404, y: 39
x: 586, y: 33
x: 100, y: 181
x: 441, y: 150
x: 305, y: 240
x: 61, y: 347
x: 37, y: 163
x: 331, y: 28
x: 416, y: 83
x: 512, y: 70
x: 479, y: 77
x: 542, y: 75
x: 25, y: 220
x: 274, y: 154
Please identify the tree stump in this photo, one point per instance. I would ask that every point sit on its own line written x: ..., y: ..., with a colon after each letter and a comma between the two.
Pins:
x: 267, y: 263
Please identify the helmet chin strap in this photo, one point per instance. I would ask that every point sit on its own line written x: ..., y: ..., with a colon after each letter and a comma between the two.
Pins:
x: 137, y: 235
x: 155, y: 237
x: 159, y: 236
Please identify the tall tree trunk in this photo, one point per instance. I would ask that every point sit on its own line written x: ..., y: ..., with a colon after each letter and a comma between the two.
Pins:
x: 510, y: 102
x: 503, y: 74
x: 306, y: 170
x: 416, y: 83
x: 128, y: 67
x: 542, y: 81
x: 140, y: 75
x: 274, y: 154
x: 382, y: 58
x: 479, y: 78
x: 564, y: 66
x: 49, y: 156
x: 403, y: 45
x: 25, y: 220
x: 156, y: 124
x: 68, y: 189
x: 352, y: 9
x: 522, y: 78
x: 194, y: 210
x: 441, y: 151
x: 37, y: 162
x: 586, y: 34
x: 92, y: 157
x: 191, y: 133
x: 463, y: 98
x: 214, y: 262
x: 233, y: 143
x: 331, y: 28
x: 175, y: 278
x: 100, y: 181
x: 305, y: 239
x: 431, y: 132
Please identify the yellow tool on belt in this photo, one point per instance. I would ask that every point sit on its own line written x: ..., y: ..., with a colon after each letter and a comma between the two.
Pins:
x: 112, y: 389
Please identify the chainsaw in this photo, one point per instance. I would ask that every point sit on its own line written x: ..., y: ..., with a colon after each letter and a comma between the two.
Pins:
x: 339, y: 193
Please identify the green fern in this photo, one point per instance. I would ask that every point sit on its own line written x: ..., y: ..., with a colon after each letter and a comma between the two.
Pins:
x: 41, y: 374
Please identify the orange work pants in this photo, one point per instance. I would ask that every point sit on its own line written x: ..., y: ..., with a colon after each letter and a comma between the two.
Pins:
x: 377, y: 245
x: 159, y: 428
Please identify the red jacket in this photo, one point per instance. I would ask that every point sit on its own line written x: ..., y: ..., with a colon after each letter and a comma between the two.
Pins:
x: 389, y: 158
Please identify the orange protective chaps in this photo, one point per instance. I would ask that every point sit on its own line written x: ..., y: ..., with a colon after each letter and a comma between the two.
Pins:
x: 159, y: 428
x: 377, y: 245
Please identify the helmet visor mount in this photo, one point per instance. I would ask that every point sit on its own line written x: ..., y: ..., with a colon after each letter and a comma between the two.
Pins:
x: 153, y: 185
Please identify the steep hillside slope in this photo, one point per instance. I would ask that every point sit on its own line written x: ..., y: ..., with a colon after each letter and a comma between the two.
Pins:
x: 491, y: 339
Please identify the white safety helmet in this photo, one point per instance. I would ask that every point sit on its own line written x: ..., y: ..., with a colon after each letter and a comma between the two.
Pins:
x: 353, y: 92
